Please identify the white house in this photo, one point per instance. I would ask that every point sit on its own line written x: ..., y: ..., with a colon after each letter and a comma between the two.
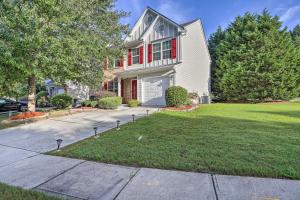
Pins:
x: 160, y: 53
x: 77, y: 91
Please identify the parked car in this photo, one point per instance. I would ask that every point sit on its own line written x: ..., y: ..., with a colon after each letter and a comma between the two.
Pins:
x: 9, y: 105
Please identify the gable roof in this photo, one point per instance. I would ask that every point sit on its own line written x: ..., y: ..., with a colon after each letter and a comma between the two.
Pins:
x: 189, y: 22
x: 158, y: 15
x: 166, y: 18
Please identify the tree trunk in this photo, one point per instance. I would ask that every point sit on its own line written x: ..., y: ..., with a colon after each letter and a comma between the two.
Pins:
x: 65, y: 87
x: 31, y: 93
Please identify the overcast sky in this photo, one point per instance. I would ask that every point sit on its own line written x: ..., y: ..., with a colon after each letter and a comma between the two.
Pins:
x: 212, y: 12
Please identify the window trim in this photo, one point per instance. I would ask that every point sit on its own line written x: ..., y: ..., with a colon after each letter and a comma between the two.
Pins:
x: 153, y: 52
x: 115, y: 85
x: 170, y: 49
x: 117, y: 66
x: 161, y: 49
x: 136, y: 56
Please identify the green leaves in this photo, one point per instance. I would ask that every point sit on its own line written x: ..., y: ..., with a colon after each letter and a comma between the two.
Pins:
x: 255, y: 59
x: 61, y: 40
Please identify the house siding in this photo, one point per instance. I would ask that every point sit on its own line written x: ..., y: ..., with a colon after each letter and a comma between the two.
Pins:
x: 194, y: 71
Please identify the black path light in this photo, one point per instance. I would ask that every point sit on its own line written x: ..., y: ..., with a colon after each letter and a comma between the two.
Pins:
x: 133, y: 117
x: 59, y: 141
x: 95, y: 130
x: 147, y: 112
x: 118, y: 124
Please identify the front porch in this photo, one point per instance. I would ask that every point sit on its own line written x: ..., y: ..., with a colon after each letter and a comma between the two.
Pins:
x: 127, y: 89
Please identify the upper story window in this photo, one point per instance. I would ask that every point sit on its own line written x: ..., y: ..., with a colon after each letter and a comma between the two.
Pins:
x: 166, y: 49
x: 157, y: 51
x: 135, y: 56
x: 117, y: 63
x: 162, y: 50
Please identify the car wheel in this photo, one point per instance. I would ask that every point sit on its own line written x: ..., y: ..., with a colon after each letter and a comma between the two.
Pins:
x: 22, y: 108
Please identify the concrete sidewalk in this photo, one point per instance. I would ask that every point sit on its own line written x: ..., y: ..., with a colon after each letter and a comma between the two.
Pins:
x: 79, y: 179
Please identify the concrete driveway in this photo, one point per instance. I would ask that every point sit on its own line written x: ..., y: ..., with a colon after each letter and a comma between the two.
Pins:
x: 41, y: 136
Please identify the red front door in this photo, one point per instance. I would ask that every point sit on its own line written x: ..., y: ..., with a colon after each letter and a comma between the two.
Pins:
x: 134, y: 89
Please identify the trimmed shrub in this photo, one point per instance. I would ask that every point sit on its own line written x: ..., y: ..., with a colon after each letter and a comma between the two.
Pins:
x: 101, y: 95
x: 189, y: 102
x: 133, y: 103
x: 94, y: 104
x: 176, y: 96
x: 110, y: 102
x: 62, y: 100
x: 86, y: 103
x: 89, y: 103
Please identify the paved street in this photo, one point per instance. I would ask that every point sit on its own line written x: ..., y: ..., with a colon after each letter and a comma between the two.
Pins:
x: 23, y: 164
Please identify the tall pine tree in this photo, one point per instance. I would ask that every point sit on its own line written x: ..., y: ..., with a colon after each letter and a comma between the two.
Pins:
x: 213, y: 42
x: 257, y: 60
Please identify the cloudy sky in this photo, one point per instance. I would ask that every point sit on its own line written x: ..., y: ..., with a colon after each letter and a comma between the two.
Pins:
x: 212, y: 12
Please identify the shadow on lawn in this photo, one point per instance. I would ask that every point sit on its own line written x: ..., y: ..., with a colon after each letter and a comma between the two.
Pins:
x: 294, y: 114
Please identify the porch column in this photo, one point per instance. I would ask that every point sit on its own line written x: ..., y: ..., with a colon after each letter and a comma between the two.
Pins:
x: 119, y: 86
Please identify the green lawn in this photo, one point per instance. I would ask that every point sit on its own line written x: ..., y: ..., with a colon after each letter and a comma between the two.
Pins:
x: 14, y: 193
x: 4, y: 117
x: 238, y: 139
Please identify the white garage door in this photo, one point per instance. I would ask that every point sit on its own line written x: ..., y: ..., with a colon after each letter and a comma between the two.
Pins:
x: 153, y: 90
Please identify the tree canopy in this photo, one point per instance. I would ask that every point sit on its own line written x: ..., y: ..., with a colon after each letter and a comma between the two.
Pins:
x: 60, y: 40
x: 255, y: 59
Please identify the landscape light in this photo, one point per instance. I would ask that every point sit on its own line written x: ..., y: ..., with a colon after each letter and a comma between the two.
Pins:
x: 133, y: 117
x: 118, y: 124
x: 147, y: 112
x: 95, y: 130
x: 59, y: 141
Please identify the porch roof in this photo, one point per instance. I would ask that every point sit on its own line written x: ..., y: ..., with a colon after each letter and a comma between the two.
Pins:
x: 138, y: 71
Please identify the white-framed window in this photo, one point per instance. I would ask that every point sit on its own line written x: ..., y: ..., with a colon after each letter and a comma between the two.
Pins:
x: 166, y: 49
x: 135, y: 56
x: 117, y: 63
x: 162, y: 50
x: 156, y: 51
x: 113, y: 85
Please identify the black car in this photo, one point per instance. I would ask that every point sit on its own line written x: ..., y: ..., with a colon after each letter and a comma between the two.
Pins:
x: 8, y: 105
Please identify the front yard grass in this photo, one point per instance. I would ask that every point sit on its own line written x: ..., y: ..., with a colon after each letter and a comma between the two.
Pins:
x: 237, y: 139
x: 3, y: 126
x: 14, y: 193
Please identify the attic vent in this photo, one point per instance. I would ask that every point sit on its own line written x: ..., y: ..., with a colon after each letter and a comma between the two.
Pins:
x: 150, y: 19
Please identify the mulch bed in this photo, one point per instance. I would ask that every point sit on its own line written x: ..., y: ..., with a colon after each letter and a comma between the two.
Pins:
x: 27, y: 115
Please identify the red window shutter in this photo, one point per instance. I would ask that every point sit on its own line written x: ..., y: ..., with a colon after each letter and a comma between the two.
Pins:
x: 121, y: 62
x: 105, y: 86
x: 173, y: 51
x: 149, y: 53
x: 141, y: 54
x: 129, y: 57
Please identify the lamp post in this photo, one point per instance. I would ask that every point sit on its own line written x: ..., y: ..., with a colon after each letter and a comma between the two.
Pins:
x: 59, y: 141
x: 118, y: 124
x: 133, y: 117
x: 95, y: 130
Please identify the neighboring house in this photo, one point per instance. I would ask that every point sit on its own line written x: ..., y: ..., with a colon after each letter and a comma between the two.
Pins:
x: 78, y: 92
x: 160, y: 53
